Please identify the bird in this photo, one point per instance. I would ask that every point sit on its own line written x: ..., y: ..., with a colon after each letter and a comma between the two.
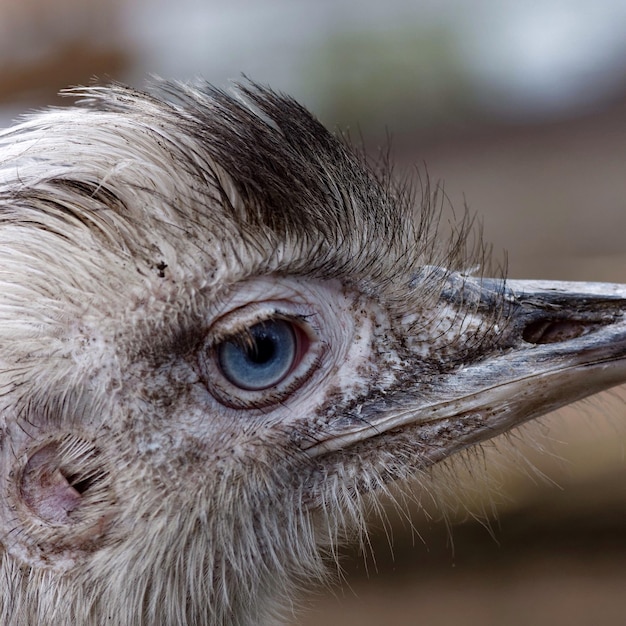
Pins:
x: 224, y: 331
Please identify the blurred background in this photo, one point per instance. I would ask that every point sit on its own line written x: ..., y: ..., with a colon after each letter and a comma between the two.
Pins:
x: 520, y: 109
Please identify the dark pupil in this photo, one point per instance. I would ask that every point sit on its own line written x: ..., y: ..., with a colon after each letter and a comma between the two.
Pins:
x: 263, y: 349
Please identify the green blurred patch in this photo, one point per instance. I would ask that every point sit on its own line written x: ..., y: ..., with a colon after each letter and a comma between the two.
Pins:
x: 407, y: 77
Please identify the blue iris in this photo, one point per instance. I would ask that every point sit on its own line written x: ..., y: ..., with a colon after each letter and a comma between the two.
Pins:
x: 261, y: 358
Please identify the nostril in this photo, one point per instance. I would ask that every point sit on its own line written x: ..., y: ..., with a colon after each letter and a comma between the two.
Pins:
x: 554, y: 331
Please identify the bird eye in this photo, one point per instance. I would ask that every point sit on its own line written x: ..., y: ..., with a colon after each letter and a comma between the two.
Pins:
x: 260, y: 357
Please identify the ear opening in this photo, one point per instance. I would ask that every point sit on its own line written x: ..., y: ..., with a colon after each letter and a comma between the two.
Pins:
x: 58, y: 504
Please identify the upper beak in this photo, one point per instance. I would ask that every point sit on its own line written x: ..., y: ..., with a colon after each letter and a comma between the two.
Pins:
x: 554, y: 343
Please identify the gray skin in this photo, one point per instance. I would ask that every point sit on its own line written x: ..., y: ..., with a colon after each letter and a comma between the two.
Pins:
x: 162, y: 461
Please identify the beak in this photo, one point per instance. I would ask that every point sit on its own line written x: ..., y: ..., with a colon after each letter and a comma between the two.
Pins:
x: 553, y: 343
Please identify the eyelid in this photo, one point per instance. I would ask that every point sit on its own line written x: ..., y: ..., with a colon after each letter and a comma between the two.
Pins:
x: 236, y: 322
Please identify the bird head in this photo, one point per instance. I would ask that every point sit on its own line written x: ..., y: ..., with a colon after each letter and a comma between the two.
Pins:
x: 222, y: 330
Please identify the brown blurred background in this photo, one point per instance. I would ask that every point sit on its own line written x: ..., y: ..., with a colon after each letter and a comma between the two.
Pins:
x: 521, y: 111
